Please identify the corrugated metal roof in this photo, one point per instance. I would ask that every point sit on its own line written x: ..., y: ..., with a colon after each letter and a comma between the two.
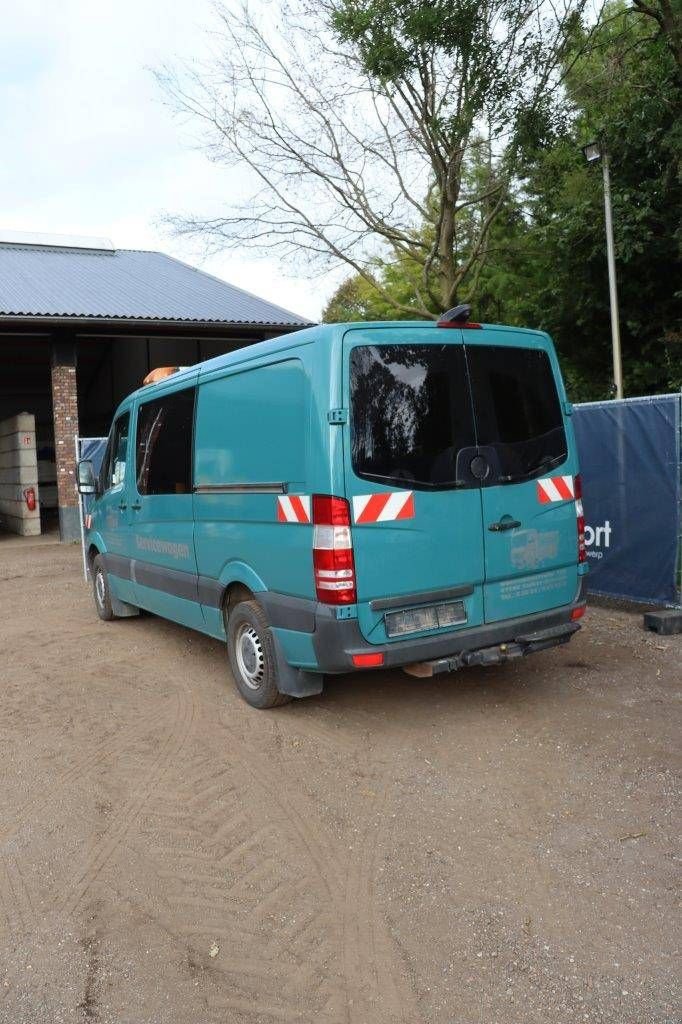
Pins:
x: 126, y: 284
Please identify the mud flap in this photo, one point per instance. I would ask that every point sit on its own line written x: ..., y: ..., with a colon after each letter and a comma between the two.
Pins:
x: 121, y: 609
x: 295, y: 682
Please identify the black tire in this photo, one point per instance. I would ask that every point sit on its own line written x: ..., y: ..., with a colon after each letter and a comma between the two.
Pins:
x: 251, y: 652
x: 100, y: 589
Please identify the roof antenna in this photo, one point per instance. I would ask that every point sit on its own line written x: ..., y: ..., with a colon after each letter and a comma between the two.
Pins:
x: 460, y: 314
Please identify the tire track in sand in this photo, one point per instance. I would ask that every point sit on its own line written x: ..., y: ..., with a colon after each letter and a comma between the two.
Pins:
x: 374, y: 987
x: 80, y: 767
x: 105, y: 847
x: 369, y: 954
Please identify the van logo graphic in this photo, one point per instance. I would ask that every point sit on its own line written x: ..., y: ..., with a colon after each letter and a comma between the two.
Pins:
x: 381, y: 508
x: 293, y: 508
x: 555, y: 488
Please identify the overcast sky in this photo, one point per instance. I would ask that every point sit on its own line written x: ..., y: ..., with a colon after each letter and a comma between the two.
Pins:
x: 89, y: 148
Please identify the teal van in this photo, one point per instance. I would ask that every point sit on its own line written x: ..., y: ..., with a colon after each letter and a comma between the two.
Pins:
x: 352, y: 496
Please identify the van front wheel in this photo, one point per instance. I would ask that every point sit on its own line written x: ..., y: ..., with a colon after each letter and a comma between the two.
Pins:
x: 100, y: 588
x: 252, y: 656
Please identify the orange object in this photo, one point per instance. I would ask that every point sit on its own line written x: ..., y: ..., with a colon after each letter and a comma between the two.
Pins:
x: 159, y: 373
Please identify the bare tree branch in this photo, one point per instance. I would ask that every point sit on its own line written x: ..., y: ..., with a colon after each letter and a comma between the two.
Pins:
x: 350, y: 163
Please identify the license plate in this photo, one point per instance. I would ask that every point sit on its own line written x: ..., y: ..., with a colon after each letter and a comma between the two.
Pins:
x: 418, y: 620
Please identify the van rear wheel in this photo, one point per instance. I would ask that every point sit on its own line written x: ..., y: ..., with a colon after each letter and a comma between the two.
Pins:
x: 252, y: 656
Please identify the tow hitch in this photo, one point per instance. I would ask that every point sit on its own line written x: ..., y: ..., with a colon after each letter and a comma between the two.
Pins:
x: 540, y: 640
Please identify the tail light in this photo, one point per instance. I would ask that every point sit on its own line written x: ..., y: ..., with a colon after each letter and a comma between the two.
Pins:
x: 580, y: 519
x: 30, y: 499
x: 368, y: 660
x: 333, y: 561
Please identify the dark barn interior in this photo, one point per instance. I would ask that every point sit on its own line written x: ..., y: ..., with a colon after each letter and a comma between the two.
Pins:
x: 111, y: 316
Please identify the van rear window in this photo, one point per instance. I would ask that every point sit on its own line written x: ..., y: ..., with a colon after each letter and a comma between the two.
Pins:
x: 415, y: 407
x: 517, y: 409
x: 410, y: 413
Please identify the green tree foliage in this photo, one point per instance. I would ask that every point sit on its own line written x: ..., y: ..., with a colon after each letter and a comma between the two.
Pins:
x: 667, y: 15
x: 456, y: 65
x: 545, y: 261
x: 626, y: 94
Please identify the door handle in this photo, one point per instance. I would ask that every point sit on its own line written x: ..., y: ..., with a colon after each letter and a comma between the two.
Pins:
x: 137, y: 505
x: 122, y: 506
x: 504, y: 524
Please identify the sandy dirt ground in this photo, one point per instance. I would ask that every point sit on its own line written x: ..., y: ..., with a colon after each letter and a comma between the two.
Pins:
x: 493, y: 846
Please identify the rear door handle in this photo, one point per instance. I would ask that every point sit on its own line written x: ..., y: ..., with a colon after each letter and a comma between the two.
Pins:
x: 122, y: 506
x: 504, y: 524
x: 137, y: 505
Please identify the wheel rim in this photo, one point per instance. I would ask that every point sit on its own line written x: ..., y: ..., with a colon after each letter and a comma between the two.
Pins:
x: 100, y: 588
x: 250, y: 656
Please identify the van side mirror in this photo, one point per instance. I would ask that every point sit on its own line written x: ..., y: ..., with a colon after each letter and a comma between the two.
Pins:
x: 86, y: 478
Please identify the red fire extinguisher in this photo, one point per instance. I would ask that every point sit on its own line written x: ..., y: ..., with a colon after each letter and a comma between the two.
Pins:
x: 30, y: 496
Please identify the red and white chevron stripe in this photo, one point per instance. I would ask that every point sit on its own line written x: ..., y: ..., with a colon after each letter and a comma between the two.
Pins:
x: 293, y: 508
x: 383, y: 507
x: 555, y: 488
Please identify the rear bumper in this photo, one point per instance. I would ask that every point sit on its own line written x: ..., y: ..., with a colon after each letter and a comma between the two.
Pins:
x: 336, y: 641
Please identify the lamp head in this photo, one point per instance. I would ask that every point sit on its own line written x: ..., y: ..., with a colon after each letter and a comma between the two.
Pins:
x: 592, y: 152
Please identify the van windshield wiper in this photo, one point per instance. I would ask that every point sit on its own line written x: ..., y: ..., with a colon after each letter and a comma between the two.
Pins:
x: 546, y: 462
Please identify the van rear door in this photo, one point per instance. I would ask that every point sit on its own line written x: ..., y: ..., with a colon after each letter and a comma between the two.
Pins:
x: 529, y: 514
x: 416, y: 508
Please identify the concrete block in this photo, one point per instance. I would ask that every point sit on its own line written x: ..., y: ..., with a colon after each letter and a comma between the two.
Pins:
x: 18, y: 472
x: 12, y: 442
x: 18, y: 457
x: 666, y: 622
x: 18, y: 524
x: 26, y: 475
x: 11, y: 492
x: 15, y: 492
x: 16, y: 424
x: 18, y: 509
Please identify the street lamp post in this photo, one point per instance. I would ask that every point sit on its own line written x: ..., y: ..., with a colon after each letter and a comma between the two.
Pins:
x: 594, y: 152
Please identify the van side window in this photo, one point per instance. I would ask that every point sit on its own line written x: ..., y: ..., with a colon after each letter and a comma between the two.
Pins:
x: 164, y: 444
x: 114, y: 464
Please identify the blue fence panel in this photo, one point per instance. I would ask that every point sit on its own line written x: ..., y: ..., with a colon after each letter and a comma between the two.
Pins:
x: 93, y: 448
x: 630, y: 464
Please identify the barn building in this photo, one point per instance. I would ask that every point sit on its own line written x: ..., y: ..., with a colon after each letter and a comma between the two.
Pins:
x: 81, y: 323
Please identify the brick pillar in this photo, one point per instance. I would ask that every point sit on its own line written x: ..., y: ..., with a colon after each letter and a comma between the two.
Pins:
x: 65, y: 416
